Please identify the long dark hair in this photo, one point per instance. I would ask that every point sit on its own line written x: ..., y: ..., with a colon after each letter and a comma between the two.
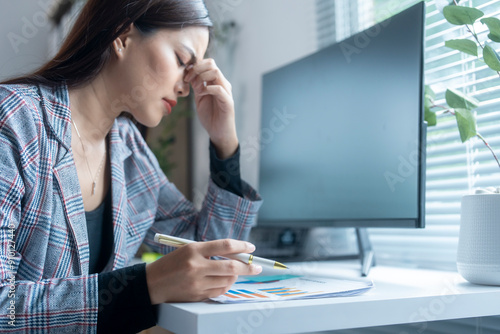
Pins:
x: 88, y: 46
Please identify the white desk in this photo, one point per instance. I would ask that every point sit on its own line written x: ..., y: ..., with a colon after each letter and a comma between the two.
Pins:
x: 400, y: 296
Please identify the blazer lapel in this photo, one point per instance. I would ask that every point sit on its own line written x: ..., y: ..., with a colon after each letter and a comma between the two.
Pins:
x: 72, y: 204
x: 118, y: 153
x: 57, y: 115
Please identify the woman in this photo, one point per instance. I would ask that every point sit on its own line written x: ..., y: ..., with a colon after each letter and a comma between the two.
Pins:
x: 80, y: 190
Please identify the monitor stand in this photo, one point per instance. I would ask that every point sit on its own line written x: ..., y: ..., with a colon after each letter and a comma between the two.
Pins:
x: 288, y: 244
x: 366, y: 254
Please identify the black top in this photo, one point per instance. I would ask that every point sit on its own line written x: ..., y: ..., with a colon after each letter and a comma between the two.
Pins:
x: 124, y: 303
x: 100, y: 233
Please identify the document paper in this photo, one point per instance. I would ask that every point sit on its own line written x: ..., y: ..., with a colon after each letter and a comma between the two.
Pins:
x: 288, y: 287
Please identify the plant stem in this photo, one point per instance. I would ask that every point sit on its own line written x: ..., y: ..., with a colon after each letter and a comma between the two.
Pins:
x: 439, y: 106
x: 447, y: 110
x: 475, y: 36
x: 444, y: 111
x: 489, y: 147
x: 477, y: 39
x: 473, y: 33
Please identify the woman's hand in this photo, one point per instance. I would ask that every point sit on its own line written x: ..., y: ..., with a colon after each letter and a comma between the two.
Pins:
x: 214, y: 104
x: 187, y: 274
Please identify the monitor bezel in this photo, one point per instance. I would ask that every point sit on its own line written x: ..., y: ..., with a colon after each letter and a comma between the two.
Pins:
x: 419, y: 221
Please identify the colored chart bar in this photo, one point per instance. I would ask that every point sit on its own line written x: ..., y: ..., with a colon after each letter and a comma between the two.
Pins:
x: 292, y: 294
x: 278, y: 291
x: 231, y: 295
x: 282, y: 291
x: 253, y: 293
x: 240, y: 293
x: 272, y: 290
x: 287, y: 292
x: 267, y: 279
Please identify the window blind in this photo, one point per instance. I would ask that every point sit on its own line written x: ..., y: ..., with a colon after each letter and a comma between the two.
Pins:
x: 453, y: 169
x: 339, y: 19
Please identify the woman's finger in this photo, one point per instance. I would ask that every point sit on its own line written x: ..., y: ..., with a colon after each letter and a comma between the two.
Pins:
x: 210, y: 75
x: 216, y: 91
x: 215, y: 76
x: 218, y: 282
x: 210, y: 78
x: 200, y: 67
x: 212, y: 293
x: 224, y: 247
x: 230, y: 268
x: 203, y: 66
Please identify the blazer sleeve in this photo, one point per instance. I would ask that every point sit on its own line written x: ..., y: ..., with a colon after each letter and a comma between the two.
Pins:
x: 67, y: 304
x: 223, y: 214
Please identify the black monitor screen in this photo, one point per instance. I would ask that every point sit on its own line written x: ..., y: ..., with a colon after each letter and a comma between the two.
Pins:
x: 342, y: 132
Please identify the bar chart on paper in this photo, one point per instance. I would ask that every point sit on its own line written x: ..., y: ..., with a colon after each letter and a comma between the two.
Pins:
x: 242, y: 294
x: 288, y: 292
x: 288, y: 287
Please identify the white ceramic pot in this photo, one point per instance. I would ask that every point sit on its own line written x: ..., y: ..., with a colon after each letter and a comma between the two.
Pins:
x: 478, y: 257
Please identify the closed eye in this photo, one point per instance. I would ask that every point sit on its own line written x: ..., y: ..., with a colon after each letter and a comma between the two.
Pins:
x: 181, y: 63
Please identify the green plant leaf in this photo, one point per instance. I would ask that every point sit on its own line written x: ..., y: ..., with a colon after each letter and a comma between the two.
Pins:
x: 491, y: 57
x: 429, y: 97
x: 428, y: 102
x: 429, y: 92
x: 460, y: 15
x: 464, y: 45
x: 494, y: 25
x: 430, y: 117
x: 456, y: 99
x: 466, y: 124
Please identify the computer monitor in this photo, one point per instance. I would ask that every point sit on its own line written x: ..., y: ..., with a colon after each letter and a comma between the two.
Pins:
x: 343, y: 132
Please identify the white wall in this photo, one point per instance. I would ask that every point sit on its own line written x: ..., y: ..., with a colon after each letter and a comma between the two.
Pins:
x: 268, y: 35
x: 24, y: 31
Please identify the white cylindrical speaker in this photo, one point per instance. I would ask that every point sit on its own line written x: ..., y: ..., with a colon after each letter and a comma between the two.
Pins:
x: 478, y: 256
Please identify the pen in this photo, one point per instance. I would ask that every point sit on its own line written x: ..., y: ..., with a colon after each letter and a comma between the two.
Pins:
x: 243, y: 257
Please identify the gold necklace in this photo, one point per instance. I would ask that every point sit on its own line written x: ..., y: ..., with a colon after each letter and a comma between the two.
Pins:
x: 94, y: 182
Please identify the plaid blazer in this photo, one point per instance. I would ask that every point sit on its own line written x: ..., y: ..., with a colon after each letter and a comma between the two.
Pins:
x: 44, y: 251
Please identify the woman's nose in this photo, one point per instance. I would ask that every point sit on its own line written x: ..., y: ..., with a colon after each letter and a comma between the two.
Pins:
x: 182, y: 88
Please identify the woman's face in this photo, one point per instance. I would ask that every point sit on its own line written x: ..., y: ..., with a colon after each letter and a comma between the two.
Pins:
x: 148, y: 72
